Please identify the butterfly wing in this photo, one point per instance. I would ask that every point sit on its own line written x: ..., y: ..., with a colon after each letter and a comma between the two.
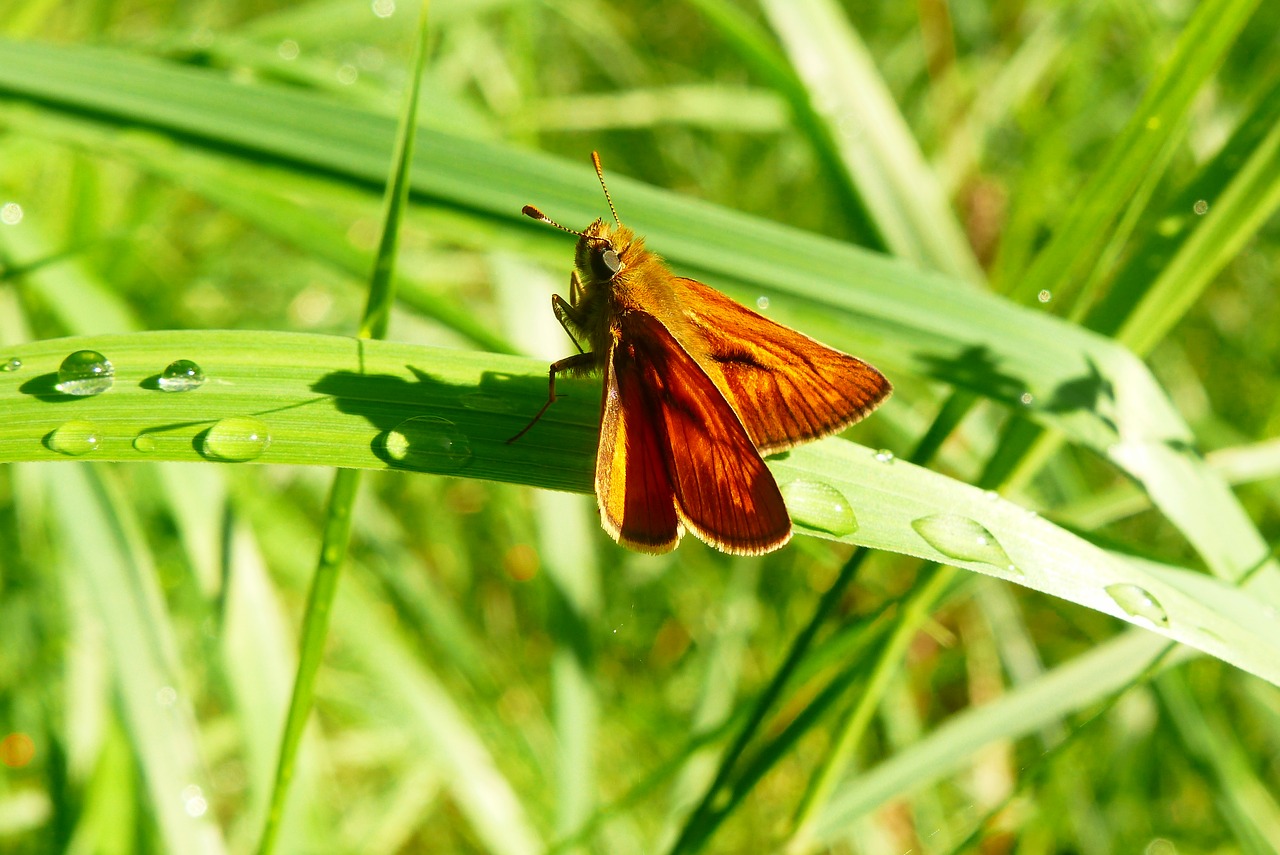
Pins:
x: 786, y: 387
x: 669, y: 435
x: 633, y: 484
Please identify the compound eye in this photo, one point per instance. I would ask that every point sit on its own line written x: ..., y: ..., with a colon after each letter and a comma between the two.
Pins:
x: 606, y: 264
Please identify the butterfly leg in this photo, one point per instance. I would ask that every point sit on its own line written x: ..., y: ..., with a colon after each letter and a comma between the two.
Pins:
x: 566, y: 314
x: 578, y: 360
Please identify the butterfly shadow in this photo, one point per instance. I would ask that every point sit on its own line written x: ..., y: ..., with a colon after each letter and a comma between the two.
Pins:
x: 426, y: 424
x: 977, y: 369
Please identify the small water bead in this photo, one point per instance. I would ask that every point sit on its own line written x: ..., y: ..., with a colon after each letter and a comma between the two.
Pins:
x: 428, y: 442
x: 84, y: 373
x: 1026, y: 399
x: 166, y: 696
x: 182, y: 375
x: 75, y: 438
x: 236, y: 439
x: 963, y: 539
x: 384, y: 8
x: 347, y: 74
x: 145, y: 443
x: 1201, y: 207
x: 1045, y: 296
x: 762, y: 303
x: 1138, y: 602
x: 13, y: 363
x: 193, y: 801
x: 884, y: 455
x: 10, y: 213
x: 288, y: 49
x: 820, y: 506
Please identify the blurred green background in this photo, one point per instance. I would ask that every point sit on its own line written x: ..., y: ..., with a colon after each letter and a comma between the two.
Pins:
x: 1000, y: 204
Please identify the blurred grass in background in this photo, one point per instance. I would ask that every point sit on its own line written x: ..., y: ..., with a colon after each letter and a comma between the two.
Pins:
x: 502, y: 678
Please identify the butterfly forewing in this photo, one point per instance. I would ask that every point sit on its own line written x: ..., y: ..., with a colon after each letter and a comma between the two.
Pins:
x: 786, y: 387
x: 670, y: 409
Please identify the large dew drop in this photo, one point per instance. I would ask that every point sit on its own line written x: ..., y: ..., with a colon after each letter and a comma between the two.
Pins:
x: 429, y: 443
x: 75, y: 438
x: 819, y: 506
x: 1138, y: 602
x: 236, y: 439
x: 84, y: 373
x: 181, y: 376
x: 963, y: 539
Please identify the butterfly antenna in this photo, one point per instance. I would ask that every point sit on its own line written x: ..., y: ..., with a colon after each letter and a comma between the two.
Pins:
x: 534, y: 213
x: 595, y: 158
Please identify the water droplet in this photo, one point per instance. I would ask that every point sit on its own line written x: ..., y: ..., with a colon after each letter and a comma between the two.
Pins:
x: 1153, y: 123
x: 236, y: 439
x: 1201, y: 207
x: 428, y: 442
x: 182, y: 375
x: 347, y: 74
x: 10, y: 213
x: 762, y: 302
x: 990, y: 495
x: 964, y: 539
x: 1138, y: 602
x: 144, y: 442
x: 884, y: 455
x: 1045, y: 296
x: 820, y: 506
x: 1026, y: 399
x: 193, y: 800
x: 384, y: 8
x: 75, y: 438
x: 13, y: 363
x: 166, y: 696
x: 85, y: 372
x: 288, y: 49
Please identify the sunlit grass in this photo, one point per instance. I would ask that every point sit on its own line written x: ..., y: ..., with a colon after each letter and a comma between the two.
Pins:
x: 498, y: 675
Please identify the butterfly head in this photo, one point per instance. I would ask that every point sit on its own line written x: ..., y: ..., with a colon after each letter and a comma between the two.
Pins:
x: 600, y: 255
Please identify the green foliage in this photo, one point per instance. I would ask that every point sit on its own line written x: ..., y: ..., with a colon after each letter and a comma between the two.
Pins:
x: 1006, y: 208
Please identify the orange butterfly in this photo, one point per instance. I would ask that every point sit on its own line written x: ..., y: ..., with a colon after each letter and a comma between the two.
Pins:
x: 697, y: 388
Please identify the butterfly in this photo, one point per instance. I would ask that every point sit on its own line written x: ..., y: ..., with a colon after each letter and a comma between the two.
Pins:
x: 697, y: 389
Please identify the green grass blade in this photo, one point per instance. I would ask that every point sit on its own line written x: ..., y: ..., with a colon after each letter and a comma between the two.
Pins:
x: 916, y: 611
x: 1087, y: 679
x: 430, y: 714
x: 342, y: 402
x: 107, y: 556
x: 1251, y: 811
x: 1095, y: 392
x: 1246, y: 197
x: 1156, y: 127
x: 346, y: 482
x: 758, y: 51
x: 872, y: 138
